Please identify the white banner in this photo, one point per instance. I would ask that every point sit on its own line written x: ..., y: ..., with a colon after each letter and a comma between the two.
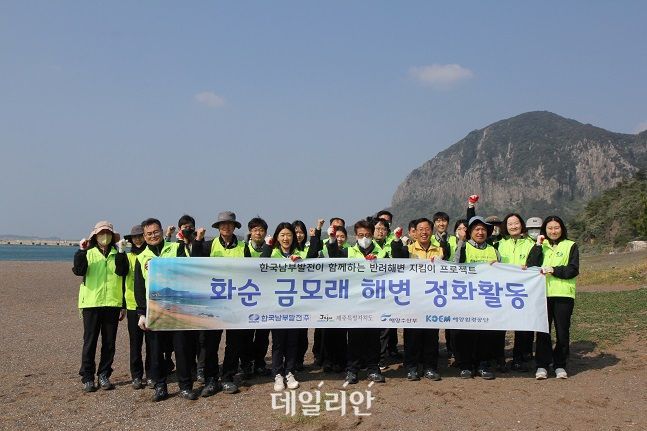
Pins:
x: 223, y: 293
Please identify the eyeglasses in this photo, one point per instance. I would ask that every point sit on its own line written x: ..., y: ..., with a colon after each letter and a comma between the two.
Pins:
x: 380, y: 228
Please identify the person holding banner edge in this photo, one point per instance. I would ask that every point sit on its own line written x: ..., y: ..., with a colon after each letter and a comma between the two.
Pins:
x: 559, y: 259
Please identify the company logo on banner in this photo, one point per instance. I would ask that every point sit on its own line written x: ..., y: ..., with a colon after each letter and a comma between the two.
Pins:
x: 228, y: 293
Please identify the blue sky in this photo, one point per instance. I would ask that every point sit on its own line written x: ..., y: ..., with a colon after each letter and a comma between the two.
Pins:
x: 125, y: 110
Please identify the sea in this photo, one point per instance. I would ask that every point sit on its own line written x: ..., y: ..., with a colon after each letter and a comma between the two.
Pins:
x: 47, y: 253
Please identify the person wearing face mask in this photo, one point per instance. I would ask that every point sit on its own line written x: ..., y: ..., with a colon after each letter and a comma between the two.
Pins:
x: 136, y: 336
x: 533, y: 225
x: 226, y: 244
x: 559, y: 259
x: 363, y: 343
x: 183, y: 342
x: 514, y: 248
x: 102, y: 262
x: 473, y: 348
x: 285, y: 342
x: 420, y: 345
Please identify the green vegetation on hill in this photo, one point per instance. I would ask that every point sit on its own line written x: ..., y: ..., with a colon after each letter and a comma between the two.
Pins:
x: 613, y: 218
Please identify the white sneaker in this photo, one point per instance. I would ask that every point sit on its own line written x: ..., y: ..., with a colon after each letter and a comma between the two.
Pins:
x: 560, y: 373
x: 292, y: 382
x: 279, y: 385
x: 541, y: 374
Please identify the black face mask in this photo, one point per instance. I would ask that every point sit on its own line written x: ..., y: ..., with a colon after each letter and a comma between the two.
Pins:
x: 188, y: 233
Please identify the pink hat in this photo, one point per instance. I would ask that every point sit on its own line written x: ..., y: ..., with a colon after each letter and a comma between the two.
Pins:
x: 104, y: 225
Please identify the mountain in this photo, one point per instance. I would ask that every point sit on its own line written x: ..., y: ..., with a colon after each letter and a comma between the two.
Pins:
x: 536, y: 163
x: 613, y: 218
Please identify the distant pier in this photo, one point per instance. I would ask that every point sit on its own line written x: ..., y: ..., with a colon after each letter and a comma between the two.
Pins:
x: 41, y: 242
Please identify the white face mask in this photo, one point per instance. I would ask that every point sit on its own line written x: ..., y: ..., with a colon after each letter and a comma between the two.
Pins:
x: 364, y: 242
x: 104, y: 239
x: 533, y: 233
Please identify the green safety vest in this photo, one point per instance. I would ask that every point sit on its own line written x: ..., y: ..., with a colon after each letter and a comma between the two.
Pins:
x: 252, y: 251
x: 168, y: 250
x: 558, y: 255
x: 217, y: 250
x: 276, y: 253
x: 131, y: 304
x: 386, y: 250
x: 101, y: 286
x: 476, y: 255
x: 515, y: 251
x: 355, y: 253
x: 451, y: 239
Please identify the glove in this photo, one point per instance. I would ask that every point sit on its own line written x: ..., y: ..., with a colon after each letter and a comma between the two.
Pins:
x: 180, y: 236
x: 398, y: 232
x: 294, y: 258
x: 121, y: 245
x: 472, y: 200
x: 84, y: 244
x: 371, y: 256
x: 331, y: 231
x: 142, y: 323
x: 540, y: 239
x: 405, y: 239
x: 547, y: 270
x: 269, y: 240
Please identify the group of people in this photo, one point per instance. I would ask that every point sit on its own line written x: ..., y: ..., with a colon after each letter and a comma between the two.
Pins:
x: 115, y: 273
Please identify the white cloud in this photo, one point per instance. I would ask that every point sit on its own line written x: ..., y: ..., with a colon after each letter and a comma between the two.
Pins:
x: 210, y: 99
x: 641, y: 127
x: 440, y: 76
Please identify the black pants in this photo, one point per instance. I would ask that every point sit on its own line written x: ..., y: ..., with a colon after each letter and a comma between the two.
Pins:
x: 285, y: 343
x: 559, y: 312
x: 498, y: 345
x: 471, y: 347
x: 104, y: 321
x: 317, y: 344
x: 522, y: 345
x: 234, y: 342
x: 209, y: 342
x: 421, y: 347
x: 136, y: 339
x: 183, y: 343
x: 449, y: 345
x: 363, y: 345
x: 254, y: 348
x: 388, y: 342
x: 334, y: 347
x: 302, y: 346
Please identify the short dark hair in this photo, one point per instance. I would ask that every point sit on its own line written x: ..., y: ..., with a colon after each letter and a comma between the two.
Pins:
x: 386, y: 224
x: 504, y: 225
x: 423, y: 220
x: 257, y: 222
x: 364, y: 224
x: 149, y: 221
x: 412, y: 224
x: 440, y: 216
x: 343, y: 222
x: 341, y: 229
x: 384, y: 212
x: 459, y: 222
x: 186, y: 219
x: 561, y: 224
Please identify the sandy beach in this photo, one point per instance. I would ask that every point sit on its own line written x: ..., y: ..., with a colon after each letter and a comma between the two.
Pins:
x: 40, y: 347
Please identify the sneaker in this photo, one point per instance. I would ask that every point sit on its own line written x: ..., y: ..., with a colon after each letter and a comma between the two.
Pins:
x: 210, y: 388
x: 105, y: 383
x: 520, y: 367
x: 229, y: 388
x: 560, y: 373
x: 351, y: 378
x: 466, y: 374
x: 138, y: 383
x: 432, y: 374
x: 541, y: 374
x: 150, y: 383
x: 188, y: 394
x: 412, y: 375
x: 383, y: 366
x: 485, y: 373
x: 279, y: 384
x: 200, y: 375
x: 292, y: 382
x: 89, y: 387
x: 376, y: 377
x: 161, y: 392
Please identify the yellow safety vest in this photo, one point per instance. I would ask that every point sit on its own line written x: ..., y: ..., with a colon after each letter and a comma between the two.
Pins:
x: 558, y: 255
x: 101, y: 286
x: 477, y: 255
x: 515, y: 251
